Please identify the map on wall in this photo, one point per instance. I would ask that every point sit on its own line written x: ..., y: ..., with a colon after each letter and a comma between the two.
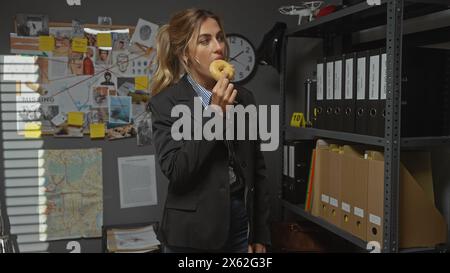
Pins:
x: 74, y: 193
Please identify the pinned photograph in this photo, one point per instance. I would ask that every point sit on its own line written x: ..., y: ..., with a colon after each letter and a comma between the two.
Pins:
x: 104, y: 20
x: 59, y: 119
x: 47, y: 115
x: 144, y: 130
x: 125, y: 86
x: 121, y: 61
x: 120, y: 40
x: 63, y: 36
x: 68, y: 131
x: 92, y: 38
x: 145, y: 33
x: 76, y: 63
x: 100, y: 95
x: 98, y: 115
x: 120, y: 132
x: 25, y: 45
x: 107, y: 79
x: 88, y: 61
x: 32, y: 24
x: 103, y: 57
x: 119, y: 109
x: 95, y: 115
x: 77, y: 28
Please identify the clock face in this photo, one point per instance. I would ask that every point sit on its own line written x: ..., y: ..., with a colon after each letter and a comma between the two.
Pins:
x: 241, y: 56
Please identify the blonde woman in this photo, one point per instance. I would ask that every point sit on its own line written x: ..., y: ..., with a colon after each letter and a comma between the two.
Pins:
x: 217, y: 198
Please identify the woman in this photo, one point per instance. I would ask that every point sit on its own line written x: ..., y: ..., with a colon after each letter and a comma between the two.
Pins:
x: 217, y: 196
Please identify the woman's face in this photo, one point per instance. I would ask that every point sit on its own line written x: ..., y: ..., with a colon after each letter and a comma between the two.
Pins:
x: 209, y: 46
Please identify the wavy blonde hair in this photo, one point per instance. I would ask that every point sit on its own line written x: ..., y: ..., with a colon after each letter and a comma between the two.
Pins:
x: 172, y: 43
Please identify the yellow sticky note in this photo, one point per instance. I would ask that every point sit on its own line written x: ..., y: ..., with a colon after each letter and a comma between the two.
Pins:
x: 104, y: 40
x: 79, y: 45
x: 97, y: 130
x: 75, y: 119
x: 298, y: 120
x: 33, y: 130
x: 141, y: 83
x: 46, y: 43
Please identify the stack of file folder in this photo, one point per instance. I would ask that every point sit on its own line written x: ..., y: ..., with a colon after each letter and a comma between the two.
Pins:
x: 296, y: 169
x: 350, y: 92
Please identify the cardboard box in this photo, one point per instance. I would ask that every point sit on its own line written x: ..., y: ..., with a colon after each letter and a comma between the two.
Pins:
x: 354, y: 191
x: 420, y: 223
x: 334, y: 188
x: 346, y: 183
x: 319, y: 202
x: 321, y: 198
x: 358, y: 196
x: 375, y: 197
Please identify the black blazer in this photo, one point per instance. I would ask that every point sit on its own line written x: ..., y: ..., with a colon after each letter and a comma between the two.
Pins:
x: 197, y: 208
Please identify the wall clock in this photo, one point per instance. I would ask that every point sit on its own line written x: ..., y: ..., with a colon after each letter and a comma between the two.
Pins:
x: 242, y: 56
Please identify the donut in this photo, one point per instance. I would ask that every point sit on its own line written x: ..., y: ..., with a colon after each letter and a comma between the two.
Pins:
x: 218, y: 66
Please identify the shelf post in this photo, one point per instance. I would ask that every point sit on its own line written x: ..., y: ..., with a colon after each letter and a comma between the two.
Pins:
x: 392, y: 124
x: 282, y: 120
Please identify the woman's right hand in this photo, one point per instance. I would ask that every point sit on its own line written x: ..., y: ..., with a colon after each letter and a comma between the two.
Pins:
x: 223, y: 93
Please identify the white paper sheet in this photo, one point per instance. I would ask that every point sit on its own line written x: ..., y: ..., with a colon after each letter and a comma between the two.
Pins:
x: 137, y: 181
x: 135, y: 239
x: 145, y: 33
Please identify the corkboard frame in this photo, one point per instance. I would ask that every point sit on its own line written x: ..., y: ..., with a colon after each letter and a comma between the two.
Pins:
x: 93, y: 26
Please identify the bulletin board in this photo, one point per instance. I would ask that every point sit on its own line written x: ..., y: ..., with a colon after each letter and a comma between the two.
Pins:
x: 95, y: 82
x: 85, y: 94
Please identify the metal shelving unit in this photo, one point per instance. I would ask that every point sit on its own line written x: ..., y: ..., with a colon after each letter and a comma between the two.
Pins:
x: 343, y: 22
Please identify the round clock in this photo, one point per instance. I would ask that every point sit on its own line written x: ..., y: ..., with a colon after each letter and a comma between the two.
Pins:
x: 242, y: 56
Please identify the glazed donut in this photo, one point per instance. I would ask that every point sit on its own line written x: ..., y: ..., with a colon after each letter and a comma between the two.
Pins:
x: 218, y: 66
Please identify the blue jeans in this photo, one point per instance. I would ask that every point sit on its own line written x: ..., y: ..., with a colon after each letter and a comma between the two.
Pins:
x: 237, y: 241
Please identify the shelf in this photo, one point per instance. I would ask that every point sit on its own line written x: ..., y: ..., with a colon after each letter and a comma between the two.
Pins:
x: 406, y: 142
x: 330, y: 227
x: 348, y: 236
x: 362, y: 16
x: 442, y: 2
x: 417, y: 142
x: 310, y: 133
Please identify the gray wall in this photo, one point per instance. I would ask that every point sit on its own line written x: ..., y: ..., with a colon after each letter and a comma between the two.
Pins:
x: 249, y: 18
